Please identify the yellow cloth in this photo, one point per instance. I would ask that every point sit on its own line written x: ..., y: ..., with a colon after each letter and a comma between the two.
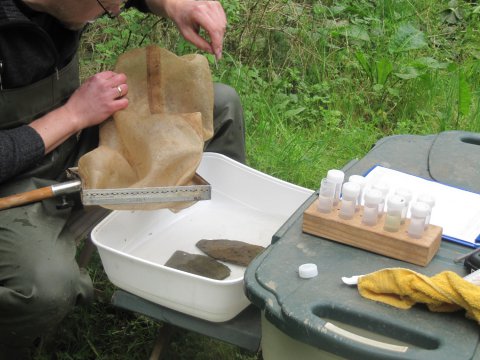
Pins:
x: 402, y: 288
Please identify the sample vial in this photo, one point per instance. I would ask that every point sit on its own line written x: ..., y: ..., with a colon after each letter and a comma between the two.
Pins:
x: 430, y: 201
x: 393, y: 219
x: 383, y: 188
x: 420, y: 211
x: 372, y: 198
x: 407, y: 195
x: 326, y: 195
x: 337, y: 176
x: 348, y: 205
x: 360, y: 180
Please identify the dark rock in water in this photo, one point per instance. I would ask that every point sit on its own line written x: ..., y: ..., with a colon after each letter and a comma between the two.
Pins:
x: 232, y: 251
x: 198, y: 264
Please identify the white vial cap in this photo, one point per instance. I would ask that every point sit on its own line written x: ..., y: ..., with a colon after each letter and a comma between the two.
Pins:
x: 350, y: 189
x: 307, y: 271
x: 358, y: 179
x: 336, y: 176
x: 327, y: 186
x: 383, y: 187
x: 428, y: 199
x: 373, y: 197
x: 395, y: 202
x: 405, y: 193
x: 420, y: 209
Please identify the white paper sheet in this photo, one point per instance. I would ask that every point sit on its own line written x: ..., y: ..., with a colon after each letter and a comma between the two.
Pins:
x: 457, y: 211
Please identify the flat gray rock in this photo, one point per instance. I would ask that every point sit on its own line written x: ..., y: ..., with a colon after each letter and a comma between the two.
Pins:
x: 198, y: 264
x: 231, y: 251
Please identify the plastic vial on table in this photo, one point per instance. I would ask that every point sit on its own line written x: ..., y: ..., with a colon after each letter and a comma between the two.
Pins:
x: 371, y: 199
x: 348, y: 206
x: 393, y: 219
x: 419, y: 213
x: 326, y: 195
x: 430, y: 201
x: 337, y: 176
x: 383, y: 188
x: 360, y: 180
x: 407, y: 195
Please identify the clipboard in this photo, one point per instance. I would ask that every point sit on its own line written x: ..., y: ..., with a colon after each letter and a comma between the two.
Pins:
x: 456, y: 210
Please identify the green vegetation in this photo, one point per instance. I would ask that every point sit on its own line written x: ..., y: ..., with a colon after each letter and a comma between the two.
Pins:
x: 321, y: 82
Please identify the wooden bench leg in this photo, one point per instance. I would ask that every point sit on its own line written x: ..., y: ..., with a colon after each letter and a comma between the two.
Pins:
x: 162, y: 341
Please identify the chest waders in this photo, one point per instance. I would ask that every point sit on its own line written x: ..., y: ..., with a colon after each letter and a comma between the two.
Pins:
x: 39, y: 278
x: 229, y: 128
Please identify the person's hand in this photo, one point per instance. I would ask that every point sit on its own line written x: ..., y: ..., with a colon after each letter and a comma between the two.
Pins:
x: 92, y: 103
x: 97, y: 99
x: 190, y: 15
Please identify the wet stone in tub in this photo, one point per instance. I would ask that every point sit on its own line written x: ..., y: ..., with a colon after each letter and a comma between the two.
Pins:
x: 231, y: 251
x: 198, y: 264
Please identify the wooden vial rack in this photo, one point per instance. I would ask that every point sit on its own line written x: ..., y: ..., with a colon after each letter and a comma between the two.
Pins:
x: 398, y: 245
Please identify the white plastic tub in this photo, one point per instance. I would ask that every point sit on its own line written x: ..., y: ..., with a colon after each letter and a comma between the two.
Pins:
x: 246, y: 205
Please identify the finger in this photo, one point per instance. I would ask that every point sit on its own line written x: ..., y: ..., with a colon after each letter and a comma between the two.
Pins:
x: 216, y: 32
x: 217, y: 16
x: 217, y: 43
x: 105, y: 75
x: 120, y: 91
x: 214, y: 21
x: 197, y: 40
x: 119, y: 104
x: 116, y: 79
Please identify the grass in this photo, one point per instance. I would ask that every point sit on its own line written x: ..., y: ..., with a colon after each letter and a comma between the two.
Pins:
x: 320, y: 82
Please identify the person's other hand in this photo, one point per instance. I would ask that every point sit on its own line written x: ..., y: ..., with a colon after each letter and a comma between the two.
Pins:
x: 190, y: 15
x: 97, y: 99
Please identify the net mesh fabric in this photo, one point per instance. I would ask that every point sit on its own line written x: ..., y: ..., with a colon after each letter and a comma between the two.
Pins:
x: 158, y: 139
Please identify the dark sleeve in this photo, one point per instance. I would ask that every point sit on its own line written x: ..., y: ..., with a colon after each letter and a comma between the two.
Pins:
x: 138, y: 4
x: 20, y: 148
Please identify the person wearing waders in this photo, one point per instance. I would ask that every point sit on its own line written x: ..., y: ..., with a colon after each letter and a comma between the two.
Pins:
x: 47, y: 121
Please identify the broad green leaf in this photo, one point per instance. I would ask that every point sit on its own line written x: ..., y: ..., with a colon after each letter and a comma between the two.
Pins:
x: 452, y: 16
x: 293, y: 112
x: 384, y: 69
x: 357, y: 32
x: 337, y: 9
x: 408, y: 72
x: 407, y: 38
x: 211, y: 59
x: 452, y: 67
x: 393, y: 91
x: 429, y: 62
x: 464, y: 95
